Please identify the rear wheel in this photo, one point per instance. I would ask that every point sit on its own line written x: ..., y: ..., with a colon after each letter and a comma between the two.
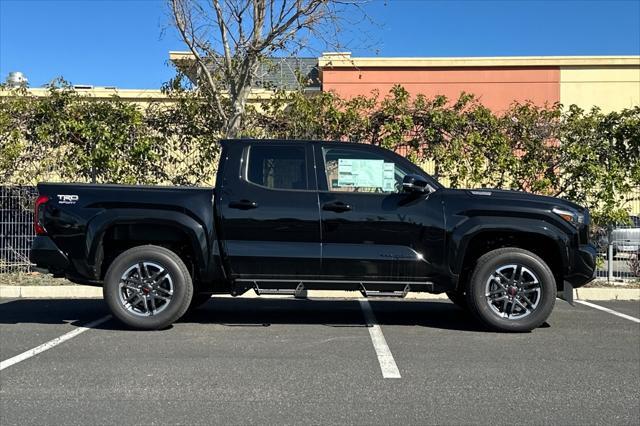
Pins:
x: 148, y: 287
x: 512, y: 289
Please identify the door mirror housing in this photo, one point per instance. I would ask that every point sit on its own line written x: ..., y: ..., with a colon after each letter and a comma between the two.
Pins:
x: 415, y: 184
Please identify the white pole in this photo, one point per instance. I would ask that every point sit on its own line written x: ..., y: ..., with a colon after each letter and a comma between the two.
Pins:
x: 610, y: 262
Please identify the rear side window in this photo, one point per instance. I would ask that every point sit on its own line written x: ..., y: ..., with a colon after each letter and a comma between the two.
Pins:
x: 277, y: 167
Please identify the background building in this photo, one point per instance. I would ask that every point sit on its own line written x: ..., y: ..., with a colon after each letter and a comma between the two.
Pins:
x: 609, y: 82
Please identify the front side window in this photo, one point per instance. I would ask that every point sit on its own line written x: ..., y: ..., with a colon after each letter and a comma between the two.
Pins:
x: 354, y: 170
x: 277, y: 167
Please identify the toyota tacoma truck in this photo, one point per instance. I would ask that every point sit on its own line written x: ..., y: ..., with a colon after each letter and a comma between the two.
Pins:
x: 290, y: 216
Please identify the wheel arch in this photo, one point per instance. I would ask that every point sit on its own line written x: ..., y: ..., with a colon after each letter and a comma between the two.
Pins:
x: 539, y: 238
x: 116, y: 230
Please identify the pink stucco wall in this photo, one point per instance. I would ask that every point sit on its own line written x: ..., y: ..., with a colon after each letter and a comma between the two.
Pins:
x: 496, y: 87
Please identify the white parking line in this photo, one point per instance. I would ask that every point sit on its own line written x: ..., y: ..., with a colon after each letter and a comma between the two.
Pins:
x: 385, y: 358
x: 52, y: 343
x: 611, y: 311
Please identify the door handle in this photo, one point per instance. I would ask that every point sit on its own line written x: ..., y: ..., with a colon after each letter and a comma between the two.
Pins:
x: 337, y: 206
x: 243, y: 205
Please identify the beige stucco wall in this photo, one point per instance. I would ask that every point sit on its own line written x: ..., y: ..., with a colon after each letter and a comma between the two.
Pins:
x: 141, y: 97
x: 611, y: 88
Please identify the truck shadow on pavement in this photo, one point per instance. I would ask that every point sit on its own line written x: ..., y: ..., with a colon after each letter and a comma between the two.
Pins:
x: 245, y: 312
x: 331, y: 313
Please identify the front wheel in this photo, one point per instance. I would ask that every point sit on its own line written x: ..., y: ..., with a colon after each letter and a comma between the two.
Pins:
x: 512, y: 289
x: 148, y: 287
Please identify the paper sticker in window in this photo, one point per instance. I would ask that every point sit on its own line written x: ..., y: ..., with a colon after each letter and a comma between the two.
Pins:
x: 389, y: 177
x: 360, y: 173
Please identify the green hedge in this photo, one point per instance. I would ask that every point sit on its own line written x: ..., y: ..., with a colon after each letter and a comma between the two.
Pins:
x: 590, y: 157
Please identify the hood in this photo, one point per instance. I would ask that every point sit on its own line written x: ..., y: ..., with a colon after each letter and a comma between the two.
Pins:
x: 521, y: 195
x: 509, y: 196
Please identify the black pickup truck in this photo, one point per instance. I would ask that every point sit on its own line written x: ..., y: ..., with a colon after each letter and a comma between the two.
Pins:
x: 291, y: 216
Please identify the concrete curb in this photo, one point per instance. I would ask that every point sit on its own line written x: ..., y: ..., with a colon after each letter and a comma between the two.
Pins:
x: 607, y: 293
x: 85, y: 292
x: 51, y: 292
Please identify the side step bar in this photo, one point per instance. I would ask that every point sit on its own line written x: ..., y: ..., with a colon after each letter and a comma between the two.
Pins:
x: 299, y: 292
x: 301, y: 287
x: 376, y: 293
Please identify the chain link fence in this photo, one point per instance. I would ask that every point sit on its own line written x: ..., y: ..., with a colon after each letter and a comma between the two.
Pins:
x: 16, y: 227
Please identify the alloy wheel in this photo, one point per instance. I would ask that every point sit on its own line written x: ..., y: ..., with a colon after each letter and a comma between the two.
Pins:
x: 513, y: 291
x: 145, y: 289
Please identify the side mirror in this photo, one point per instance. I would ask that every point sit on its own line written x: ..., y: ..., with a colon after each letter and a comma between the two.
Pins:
x: 414, y: 184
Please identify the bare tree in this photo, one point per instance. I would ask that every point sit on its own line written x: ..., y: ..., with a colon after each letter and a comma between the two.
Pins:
x: 229, y: 38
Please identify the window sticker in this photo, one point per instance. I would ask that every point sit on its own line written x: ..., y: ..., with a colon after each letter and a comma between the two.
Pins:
x: 389, y: 177
x: 361, y: 173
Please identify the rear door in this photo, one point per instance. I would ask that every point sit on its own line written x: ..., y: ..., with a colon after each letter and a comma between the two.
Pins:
x: 371, y: 229
x: 268, y: 210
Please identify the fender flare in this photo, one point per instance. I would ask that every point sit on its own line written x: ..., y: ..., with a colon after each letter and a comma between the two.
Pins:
x: 468, y: 229
x: 98, y: 226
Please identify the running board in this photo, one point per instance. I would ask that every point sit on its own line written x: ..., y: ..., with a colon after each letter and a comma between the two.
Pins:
x: 299, y: 292
x: 376, y: 293
x: 283, y: 287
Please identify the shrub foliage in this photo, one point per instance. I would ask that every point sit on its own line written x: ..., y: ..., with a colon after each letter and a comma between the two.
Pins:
x: 590, y: 157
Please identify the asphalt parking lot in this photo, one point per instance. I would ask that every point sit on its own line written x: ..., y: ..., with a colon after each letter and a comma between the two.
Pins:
x: 248, y: 361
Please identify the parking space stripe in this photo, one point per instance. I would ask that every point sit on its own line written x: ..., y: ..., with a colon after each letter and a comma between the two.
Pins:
x: 385, y: 358
x: 52, y: 343
x: 611, y: 311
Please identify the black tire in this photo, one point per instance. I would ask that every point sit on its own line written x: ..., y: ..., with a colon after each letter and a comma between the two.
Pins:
x: 459, y: 298
x: 532, y: 269
x: 176, y: 277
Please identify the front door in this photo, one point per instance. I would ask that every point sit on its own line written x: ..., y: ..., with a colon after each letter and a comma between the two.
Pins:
x: 269, y: 215
x: 371, y: 229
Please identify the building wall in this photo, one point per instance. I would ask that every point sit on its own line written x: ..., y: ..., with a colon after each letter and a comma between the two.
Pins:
x: 611, y: 88
x: 495, y: 87
x: 141, y: 97
x: 612, y: 83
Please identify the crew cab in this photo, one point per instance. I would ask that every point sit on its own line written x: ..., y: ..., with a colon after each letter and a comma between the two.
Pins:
x: 290, y: 216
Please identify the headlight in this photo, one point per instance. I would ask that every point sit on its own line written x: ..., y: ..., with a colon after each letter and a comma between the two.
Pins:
x: 571, y: 216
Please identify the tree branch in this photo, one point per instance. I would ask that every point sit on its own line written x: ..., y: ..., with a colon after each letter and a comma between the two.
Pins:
x: 179, y: 19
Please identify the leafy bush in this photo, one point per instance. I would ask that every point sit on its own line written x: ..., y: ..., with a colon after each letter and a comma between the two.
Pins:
x: 69, y: 137
x: 589, y: 157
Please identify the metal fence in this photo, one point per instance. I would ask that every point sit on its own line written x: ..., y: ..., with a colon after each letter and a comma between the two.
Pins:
x: 16, y: 227
x: 619, y: 253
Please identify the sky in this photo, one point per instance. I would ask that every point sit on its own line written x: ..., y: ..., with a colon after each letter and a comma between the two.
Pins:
x: 126, y: 43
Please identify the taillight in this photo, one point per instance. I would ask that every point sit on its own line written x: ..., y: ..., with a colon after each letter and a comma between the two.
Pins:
x: 36, y: 215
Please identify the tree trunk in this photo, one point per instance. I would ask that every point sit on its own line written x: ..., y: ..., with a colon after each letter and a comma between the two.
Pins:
x: 234, y: 124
